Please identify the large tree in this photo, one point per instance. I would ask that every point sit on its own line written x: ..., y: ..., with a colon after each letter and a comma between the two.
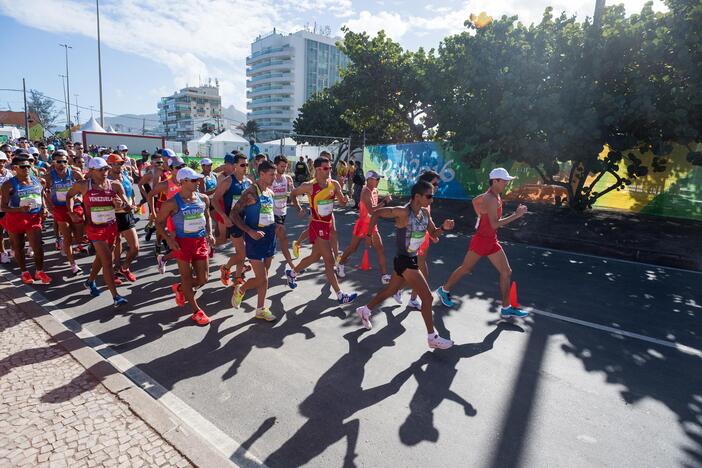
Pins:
x: 44, y: 108
x: 249, y: 129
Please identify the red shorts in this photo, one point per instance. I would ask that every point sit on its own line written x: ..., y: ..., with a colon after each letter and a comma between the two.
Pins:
x: 22, y: 223
x: 484, y: 246
x: 191, y: 249
x: 360, y: 229
x: 60, y: 214
x: 169, y: 225
x: 425, y: 245
x: 107, y: 233
x: 319, y: 229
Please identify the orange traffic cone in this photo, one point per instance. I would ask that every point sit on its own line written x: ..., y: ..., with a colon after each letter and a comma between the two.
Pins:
x: 513, y: 295
x: 365, y: 264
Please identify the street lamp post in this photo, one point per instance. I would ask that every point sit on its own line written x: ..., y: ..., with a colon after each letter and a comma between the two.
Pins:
x: 97, y: 7
x: 63, y: 83
x: 68, y: 85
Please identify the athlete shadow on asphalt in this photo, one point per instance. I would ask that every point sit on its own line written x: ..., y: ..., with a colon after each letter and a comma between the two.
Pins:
x: 434, y: 385
x: 338, y: 395
x: 248, y: 335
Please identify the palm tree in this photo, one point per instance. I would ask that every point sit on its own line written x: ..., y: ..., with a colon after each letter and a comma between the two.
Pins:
x: 249, y: 129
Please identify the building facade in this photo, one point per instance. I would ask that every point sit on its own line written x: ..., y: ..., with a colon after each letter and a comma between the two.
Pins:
x: 282, y: 71
x: 183, y: 113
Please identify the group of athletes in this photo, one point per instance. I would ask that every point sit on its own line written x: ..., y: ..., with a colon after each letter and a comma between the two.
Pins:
x: 95, y: 203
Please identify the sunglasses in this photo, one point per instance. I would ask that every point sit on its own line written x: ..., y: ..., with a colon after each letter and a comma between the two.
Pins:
x: 61, y: 162
x: 325, y: 168
x: 103, y: 169
x: 428, y: 196
x: 25, y: 166
x: 156, y: 162
x: 180, y: 167
x: 118, y: 164
x: 243, y: 165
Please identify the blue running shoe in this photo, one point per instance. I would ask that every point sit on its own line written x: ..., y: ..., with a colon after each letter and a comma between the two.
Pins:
x: 292, y: 279
x: 508, y: 312
x: 445, y: 297
x: 347, y: 298
x: 119, y: 300
x: 92, y: 287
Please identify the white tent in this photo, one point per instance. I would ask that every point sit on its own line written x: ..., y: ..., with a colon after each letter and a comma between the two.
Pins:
x: 92, y: 126
x: 12, y: 133
x: 110, y: 129
x: 224, y: 143
x: 273, y: 148
x: 199, y: 145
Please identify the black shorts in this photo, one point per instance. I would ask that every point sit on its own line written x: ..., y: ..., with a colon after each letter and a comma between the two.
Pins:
x: 279, y: 219
x: 404, y: 262
x: 235, y: 232
x: 2, y: 215
x: 125, y: 221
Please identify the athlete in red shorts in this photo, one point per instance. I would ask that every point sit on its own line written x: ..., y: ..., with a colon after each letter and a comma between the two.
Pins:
x: 488, y: 207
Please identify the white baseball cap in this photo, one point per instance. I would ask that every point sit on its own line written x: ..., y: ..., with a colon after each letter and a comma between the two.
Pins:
x: 205, y: 162
x: 122, y: 148
x: 500, y: 173
x: 33, y: 150
x: 188, y: 173
x: 3, y: 156
x: 373, y: 175
x: 97, y: 163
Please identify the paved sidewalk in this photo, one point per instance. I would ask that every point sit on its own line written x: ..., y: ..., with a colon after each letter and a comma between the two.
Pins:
x: 54, y: 413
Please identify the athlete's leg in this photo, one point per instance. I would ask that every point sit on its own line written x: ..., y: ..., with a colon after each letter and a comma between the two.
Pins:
x: 325, y: 250
x: 380, y: 251
x: 103, y: 254
x: 500, y: 262
x: 17, y: 244
x: 315, y: 255
x: 353, y: 246
x: 469, y: 261
x: 34, y: 238
x: 416, y: 280
x: 66, y: 233
x: 282, y: 238
x: 396, y: 282
x: 133, y: 242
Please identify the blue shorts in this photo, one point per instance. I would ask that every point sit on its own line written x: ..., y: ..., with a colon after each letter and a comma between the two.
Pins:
x: 234, y: 232
x: 263, y: 248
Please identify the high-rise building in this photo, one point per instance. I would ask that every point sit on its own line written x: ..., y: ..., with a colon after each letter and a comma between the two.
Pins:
x: 183, y: 113
x: 282, y: 71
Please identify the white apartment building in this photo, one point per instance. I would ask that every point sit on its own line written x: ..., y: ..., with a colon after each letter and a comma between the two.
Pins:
x: 282, y: 71
x: 183, y: 113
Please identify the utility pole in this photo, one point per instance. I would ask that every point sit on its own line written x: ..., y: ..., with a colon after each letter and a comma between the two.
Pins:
x: 68, y: 85
x: 63, y: 82
x: 597, y: 17
x: 26, y: 111
x: 77, y: 110
x: 97, y: 7
x: 143, y: 126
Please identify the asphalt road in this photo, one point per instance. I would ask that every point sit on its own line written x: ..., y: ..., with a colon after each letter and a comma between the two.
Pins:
x: 314, y: 388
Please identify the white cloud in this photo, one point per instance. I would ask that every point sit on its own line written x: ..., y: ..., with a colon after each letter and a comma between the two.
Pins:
x: 394, y: 25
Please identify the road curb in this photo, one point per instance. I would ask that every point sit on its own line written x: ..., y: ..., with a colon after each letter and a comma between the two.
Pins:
x: 191, y: 444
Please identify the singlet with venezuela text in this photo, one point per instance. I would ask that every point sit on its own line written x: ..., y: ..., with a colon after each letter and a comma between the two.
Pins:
x: 322, y: 202
x: 99, y: 207
x: 189, y: 220
x: 411, y: 237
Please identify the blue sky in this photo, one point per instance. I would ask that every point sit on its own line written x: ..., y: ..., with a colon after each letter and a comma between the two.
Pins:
x: 152, y: 47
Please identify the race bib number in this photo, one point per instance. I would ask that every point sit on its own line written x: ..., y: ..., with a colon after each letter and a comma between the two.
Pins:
x: 325, y: 207
x: 194, y: 223
x: 265, y: 216
x: 102, y: 214
x: 416, y: 240
x: 280, y: 201
x: 32, y: 200
x: 61, y: 195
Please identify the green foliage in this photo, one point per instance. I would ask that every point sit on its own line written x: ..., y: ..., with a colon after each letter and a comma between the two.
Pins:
x: 43, y: 107
x: 249, y: 129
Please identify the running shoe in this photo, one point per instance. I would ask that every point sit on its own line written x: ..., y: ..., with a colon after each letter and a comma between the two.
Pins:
x: 225, y: 275
x: 237, y: 296
x: 127, y: 274
x: 92, y: 287
x: 43, y: 277
x: 30, y: 252
x: 119, y: 301
x: 75, y: 270
x: 4, y: 257
x: 179, y: 296
x: 445, y: 297
x: 150, y: 230
x: 292, y: 278
x: 398, y: 296
x: 59, y: 244
x: 296, y: 249
x: 265, y: 314
x: 200, y: 318
x: 435, y: 341
x: 509, y: 312
x: 416, y: 303
x: 364, y: 313
x: 347, y: 298
x: 161, y: 260
x: 115, y: 277
x: 340, y: 271
x: 27, y: 277
x: 385, y: 279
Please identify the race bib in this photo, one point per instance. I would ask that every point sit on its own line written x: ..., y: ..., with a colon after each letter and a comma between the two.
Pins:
x: 61, y: 195
x: 102, y: 214
x: 32, y: 200
x: 265, y: 216
x: 416, y: 240
x: 325, y: 207
x: 280, y: 201
x: 194, y: 223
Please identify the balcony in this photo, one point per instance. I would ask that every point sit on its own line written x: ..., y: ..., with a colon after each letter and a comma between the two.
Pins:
x: 270, y: 53
x: 256, y: 103
x: 270, y: 78
x: 270, y: 65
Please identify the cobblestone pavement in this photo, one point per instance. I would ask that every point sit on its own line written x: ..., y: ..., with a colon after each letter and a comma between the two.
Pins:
x: 53, y: 413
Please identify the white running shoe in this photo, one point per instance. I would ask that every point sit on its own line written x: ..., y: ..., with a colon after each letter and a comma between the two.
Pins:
x: 75, y: 269
x: 385, y: 279
x: 161, y: 260
x: 30, y: 252
x: 364, y: 313
x: 4, y: 257
x: 340, y: 271
x: 398, y: 296
x: 416, y: 303
x: 435, y: 341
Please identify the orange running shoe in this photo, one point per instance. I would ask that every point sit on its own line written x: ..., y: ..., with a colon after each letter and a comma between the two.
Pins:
x: 27, y: 277
x: 200, y: 318
x: 179, y: 296
x: 225, y: 275
x: 43, y: 277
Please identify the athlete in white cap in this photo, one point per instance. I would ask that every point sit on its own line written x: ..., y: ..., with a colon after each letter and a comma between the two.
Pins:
x: 488, y: 208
